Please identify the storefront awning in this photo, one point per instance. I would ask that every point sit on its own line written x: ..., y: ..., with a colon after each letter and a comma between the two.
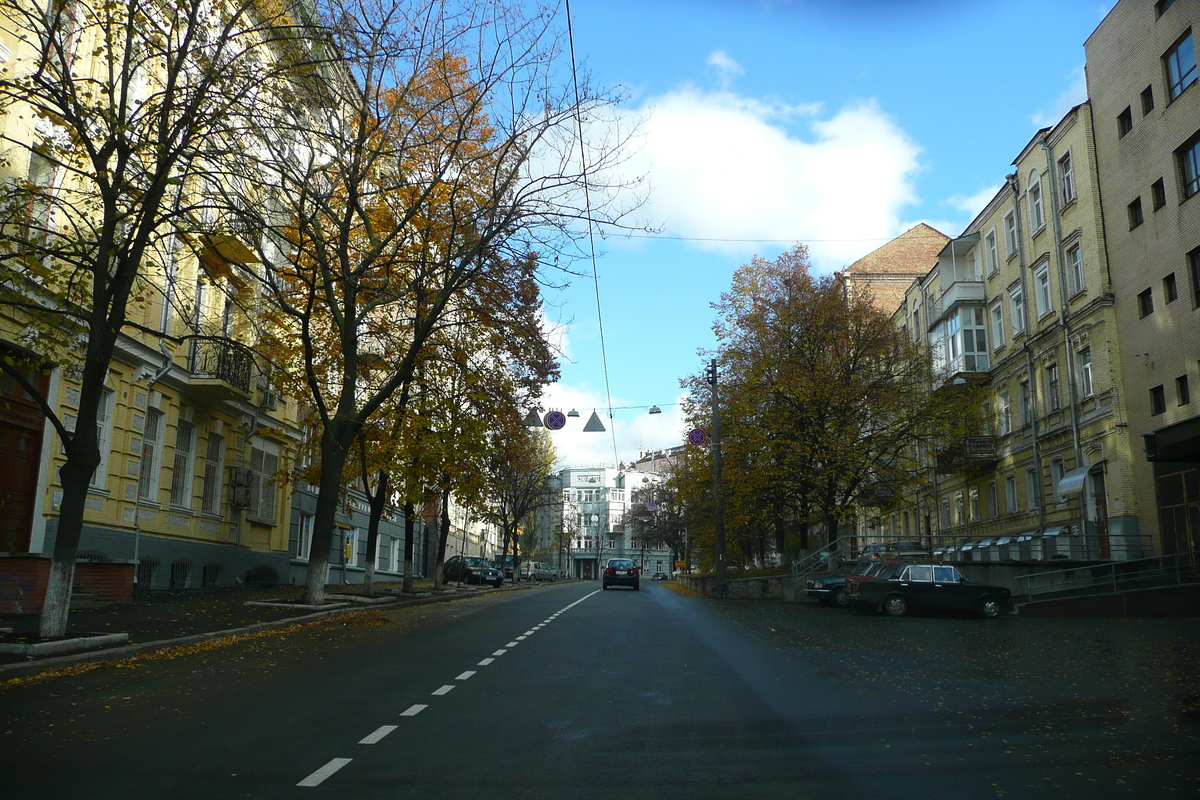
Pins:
x: 1178, y: 442
x: 1072, y: 482
x: 341, y: 521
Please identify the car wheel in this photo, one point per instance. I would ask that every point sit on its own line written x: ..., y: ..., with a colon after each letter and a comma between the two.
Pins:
x: 497, y: 584
x: 841, y: 598
x: 604, y: 586
x: 637, y: 587
x: 990, y: 607
x: 895, y: 606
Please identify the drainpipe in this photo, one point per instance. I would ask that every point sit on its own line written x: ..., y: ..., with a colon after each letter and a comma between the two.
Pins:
x: 1014, y: 182
x: 137, y: 495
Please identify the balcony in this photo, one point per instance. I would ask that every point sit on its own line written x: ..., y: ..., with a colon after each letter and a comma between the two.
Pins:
x: 971, y: 292
x: 974, y: 454
x: 221, y: 370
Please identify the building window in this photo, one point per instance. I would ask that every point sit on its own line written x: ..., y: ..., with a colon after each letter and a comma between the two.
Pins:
x: 1067, y: 169
x: 1026, y: 402
x: 993, y: 251
x: 151, y: 460
x: 973, y: 505
x: 1194, y: 269
x: 304, y: 531
x: 997, y: 325
x: 1074, y: 270
x: 1010, y: 234
x: 103, y: 437
x: 1135, y: 213
x: 1147, y: 100
x: 214, y: 466
x: 1158, y: 191
x: 1052, y: 403
x: 1003, y: 414
x: 1182, y: 395
x: 1145, y: 303
x: 183, y: 469
x: 993, y: 501
x: 1037, y: 210
x: 1086, y: 387
x: 1033, y: 496
x: 945, y: 513
x: 960, y: 510
x: 1057, y: 471
x: 1181, y: 66
x: 1170, y: 289
x: 1124, y: 122
x: 1158, y: 401
x: 1018, y: 311
x: 264, y: 463
x: 1041, y: 282
x: 350, y: 546
x: 1010, y: 494
x: 1189, y: 166
x: 1161, y: 6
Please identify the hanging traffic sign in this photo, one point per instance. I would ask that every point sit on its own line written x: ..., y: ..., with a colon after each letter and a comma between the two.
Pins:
x: 555, y: 420
x: 697, y: 437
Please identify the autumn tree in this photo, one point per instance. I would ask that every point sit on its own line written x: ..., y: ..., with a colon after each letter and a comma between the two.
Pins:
x: 519, y: 464
x: 433, y: 164
x: 824, y: 398
x: 116, y: 114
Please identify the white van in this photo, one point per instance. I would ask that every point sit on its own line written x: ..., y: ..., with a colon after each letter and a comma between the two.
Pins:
x: 538, y: 571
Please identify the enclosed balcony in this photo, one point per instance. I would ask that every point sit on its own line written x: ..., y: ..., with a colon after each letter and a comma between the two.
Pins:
x: 969, y: 454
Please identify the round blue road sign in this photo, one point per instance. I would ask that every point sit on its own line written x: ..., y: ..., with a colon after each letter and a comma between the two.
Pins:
x: 697, y: 437
x: 555, y: 420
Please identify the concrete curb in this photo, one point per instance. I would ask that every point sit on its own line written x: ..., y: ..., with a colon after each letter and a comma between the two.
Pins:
x: 9, y: 671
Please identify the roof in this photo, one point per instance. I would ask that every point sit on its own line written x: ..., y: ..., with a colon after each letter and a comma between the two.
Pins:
x: 887, y: 272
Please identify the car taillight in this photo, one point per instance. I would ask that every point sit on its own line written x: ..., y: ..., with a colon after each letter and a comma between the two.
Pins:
x: 633, y: 571
x: 610, y: 571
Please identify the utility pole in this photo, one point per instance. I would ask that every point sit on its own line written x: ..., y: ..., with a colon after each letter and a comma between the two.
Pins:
x: 718, y: 494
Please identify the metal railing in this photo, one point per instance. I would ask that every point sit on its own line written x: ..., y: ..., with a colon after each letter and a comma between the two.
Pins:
x: 223, y: 359
x: 1111, y: 578
x: 818, y: 559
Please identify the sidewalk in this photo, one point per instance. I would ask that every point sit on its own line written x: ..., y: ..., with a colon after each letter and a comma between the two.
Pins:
x: 159, y: 619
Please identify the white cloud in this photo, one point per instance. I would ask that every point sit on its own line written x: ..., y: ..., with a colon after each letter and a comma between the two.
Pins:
x: 973, y: 204
x: 727, y: 69
x: 724, y: 166
x: 1075, y: 94
x: 634, y: 430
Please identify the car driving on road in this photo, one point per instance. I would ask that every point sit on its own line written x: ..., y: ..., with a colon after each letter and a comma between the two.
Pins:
x: 621, y: 572
x: 931, y: 587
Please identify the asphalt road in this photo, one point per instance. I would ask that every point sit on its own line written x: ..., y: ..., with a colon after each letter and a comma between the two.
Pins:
x: 568, y: 692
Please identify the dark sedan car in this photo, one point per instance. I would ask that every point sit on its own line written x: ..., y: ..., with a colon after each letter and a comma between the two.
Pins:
x: 472, y: 569
x: 621, y: 572
x: 931, y: 587
x: 830, y: 590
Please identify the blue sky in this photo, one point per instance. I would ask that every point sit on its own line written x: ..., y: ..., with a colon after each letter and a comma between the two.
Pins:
x: 837, y: 124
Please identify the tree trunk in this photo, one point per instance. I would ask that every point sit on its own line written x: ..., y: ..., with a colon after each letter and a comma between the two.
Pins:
x: 439, y: 571
x: 409, y: 536
x: 376, y: 503
x: 83, y: 458
x: 335, y: 447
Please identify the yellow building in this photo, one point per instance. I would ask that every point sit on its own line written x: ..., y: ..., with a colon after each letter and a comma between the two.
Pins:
x: 1022, y: 303
x: 194, y: 440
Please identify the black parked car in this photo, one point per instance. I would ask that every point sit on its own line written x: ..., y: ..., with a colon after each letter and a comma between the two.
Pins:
x: 621, y: 572
x: 658, y: 576
x: 472, y: 569
x: 931, y: 587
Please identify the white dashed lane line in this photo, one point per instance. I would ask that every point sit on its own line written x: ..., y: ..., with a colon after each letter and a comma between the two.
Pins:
x: 486, y: 661
x: 413, y: 710
x: 318, y: 777
x: 499, y: 652
x: 465, y: 675
x: 444, y: 690
x: 380, y: 732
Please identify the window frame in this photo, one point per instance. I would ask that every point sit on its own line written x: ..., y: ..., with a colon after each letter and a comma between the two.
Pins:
x: 1037, y: 202
x: 1135, y: 213
x: 1011, y: 500
x: 1187, y: 157
x: 997, y: 318
x: 1158, y: 400
x: 1180, y: 79
x: 1066, y: 169
x: 1087, y: 384
x: 1145, y: 301
x: 1075, y: 282
x: 304, y: 532
x: 214, y: 469
x: 1042, y: 295
x: 1052, y: 393
x: 183, y: 469
x: 1016, y: 298
x: 992, y: 251
x: 104, y: 431
x: 1011, y: 242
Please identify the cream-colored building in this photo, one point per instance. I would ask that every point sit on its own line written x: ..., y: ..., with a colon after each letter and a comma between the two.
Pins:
x: 1021, y: 304
x: 1142, y: 84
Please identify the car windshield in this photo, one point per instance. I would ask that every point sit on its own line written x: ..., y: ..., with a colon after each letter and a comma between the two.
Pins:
x: 621, y: 563
x: 477, y: 562
x: 863, y: 567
